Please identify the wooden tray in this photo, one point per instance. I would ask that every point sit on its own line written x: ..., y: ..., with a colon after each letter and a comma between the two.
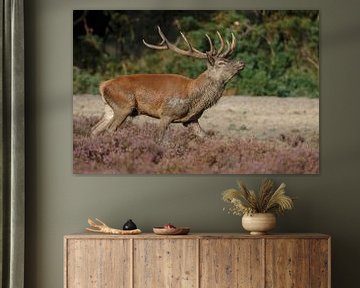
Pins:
x: 171, y: 231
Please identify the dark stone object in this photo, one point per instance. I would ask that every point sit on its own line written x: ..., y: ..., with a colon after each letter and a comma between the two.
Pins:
x: 129, y: 225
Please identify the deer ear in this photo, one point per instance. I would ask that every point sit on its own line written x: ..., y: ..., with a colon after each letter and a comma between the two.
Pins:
x: 210, y: 58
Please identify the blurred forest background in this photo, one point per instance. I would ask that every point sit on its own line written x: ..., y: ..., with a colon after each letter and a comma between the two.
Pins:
x: 280, y: 48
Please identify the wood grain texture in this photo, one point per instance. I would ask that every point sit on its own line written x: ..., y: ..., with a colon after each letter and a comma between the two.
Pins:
x: 165, y: 263
x: 287, y: 263
x: 88, y: 235
x: 319, y: 263
x: 231, y: 263
x: 197, y: 260
x: 98, y: 264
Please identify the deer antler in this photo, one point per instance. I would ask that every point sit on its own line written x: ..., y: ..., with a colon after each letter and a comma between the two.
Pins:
x: 166, y: 44
x: 193, y: 52
x: 101, y: 227
x: 230, y: 47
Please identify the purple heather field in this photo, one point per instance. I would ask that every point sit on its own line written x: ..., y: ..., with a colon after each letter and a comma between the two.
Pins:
x: 246, y: 138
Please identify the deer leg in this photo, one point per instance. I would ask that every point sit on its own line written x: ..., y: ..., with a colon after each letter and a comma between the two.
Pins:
x: 119, y: 117
x: 104, y: 122
x: 100, y: 126
x: 164, y: 124
x: 196, y: 128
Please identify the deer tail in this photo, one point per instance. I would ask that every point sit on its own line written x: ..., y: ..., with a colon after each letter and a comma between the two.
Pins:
x: 101, y: 89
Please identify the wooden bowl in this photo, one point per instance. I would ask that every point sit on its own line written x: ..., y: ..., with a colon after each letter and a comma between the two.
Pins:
x: 171, y: 231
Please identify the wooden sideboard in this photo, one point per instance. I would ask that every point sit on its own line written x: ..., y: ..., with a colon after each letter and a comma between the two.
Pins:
x: 197, y: 260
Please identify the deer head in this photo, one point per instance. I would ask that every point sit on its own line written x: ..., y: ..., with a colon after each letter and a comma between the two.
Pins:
x: 220, y: 67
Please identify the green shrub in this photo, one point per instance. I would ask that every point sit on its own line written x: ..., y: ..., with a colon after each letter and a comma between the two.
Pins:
x: 84, y: 82
x: 280, y: 48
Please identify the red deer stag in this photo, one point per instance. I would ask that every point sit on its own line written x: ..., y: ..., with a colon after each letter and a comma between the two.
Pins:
x: 169, y: 97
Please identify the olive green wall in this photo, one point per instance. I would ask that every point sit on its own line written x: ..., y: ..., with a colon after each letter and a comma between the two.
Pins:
x: 59, y: 202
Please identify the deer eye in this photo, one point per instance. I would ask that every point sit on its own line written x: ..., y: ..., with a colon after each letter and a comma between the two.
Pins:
x: 222, y: 63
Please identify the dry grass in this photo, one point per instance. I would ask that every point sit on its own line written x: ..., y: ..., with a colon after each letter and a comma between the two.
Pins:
x: 245, y: 117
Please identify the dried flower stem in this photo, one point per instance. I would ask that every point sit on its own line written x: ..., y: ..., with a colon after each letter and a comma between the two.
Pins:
x: 245, y: 201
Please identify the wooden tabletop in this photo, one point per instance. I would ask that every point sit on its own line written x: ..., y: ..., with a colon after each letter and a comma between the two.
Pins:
x: 89, y: 235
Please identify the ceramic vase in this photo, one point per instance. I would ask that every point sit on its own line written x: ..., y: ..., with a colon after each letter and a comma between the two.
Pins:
x: 259, y: 223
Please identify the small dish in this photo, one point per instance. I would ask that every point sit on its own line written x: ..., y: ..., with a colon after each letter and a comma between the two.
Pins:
x: 171, y: 231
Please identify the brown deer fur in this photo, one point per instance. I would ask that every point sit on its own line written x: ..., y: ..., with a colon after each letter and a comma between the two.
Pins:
x: 169, y: 97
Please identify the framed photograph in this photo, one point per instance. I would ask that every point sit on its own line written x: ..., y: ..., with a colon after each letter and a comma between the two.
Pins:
x: 196, y: 92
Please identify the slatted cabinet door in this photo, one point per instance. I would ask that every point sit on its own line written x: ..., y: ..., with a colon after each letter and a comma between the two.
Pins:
x: 165, y: 263
x: 98, y: 263
x: 320, y: 263
x: 197, y: 261
x: 231, y: 263
x: 287, y: 263
x: 297, y: 263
